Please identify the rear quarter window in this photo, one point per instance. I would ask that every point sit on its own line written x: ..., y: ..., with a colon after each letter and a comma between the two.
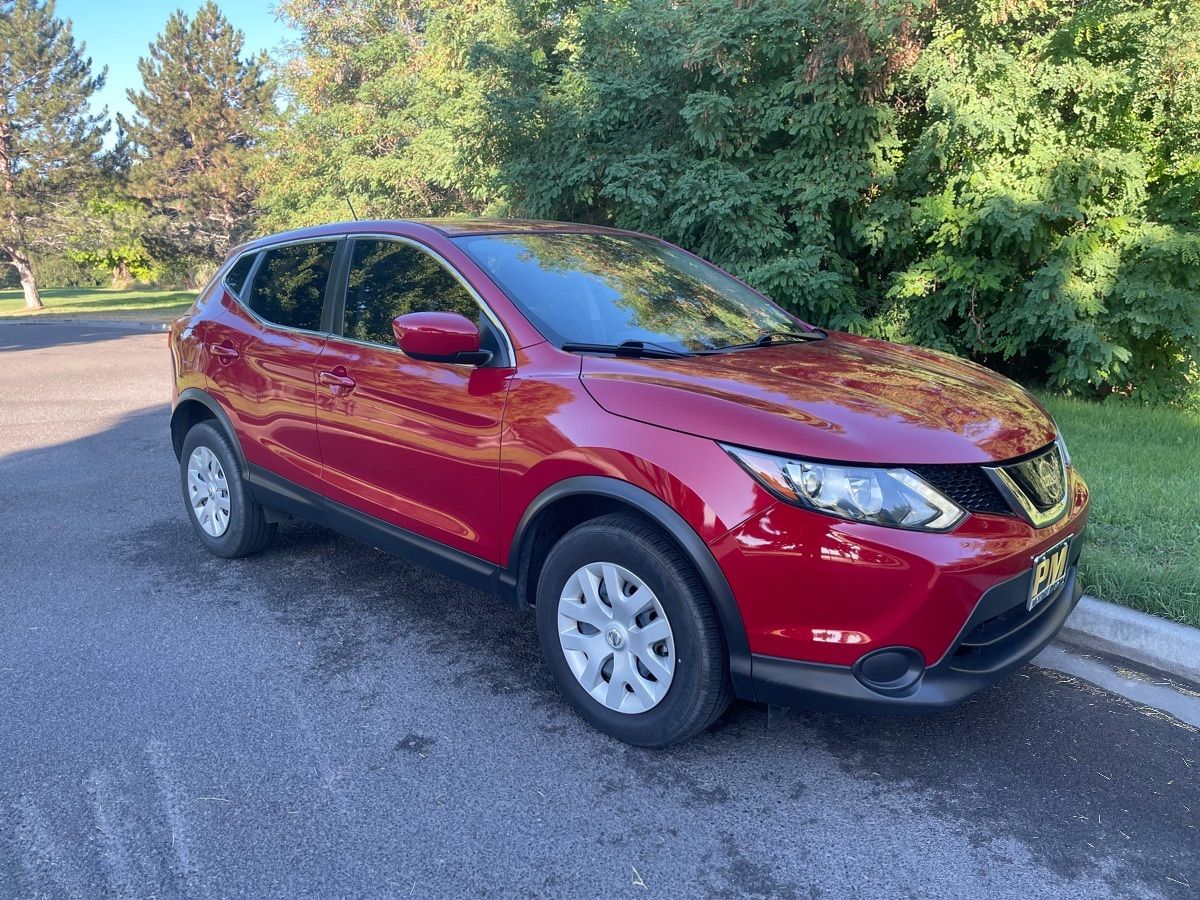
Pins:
x: 235, y: 278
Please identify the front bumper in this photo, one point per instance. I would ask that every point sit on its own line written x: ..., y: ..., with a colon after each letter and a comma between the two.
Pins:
x: 824, y: 601
x: 999, y: 637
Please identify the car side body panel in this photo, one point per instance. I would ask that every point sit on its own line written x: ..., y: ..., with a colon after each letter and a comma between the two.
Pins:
x: 416, y: 444
x: 554, y: 430
x: 268, y: 389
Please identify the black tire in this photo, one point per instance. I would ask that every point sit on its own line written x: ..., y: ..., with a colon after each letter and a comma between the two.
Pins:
x: 700, y: 689
x: 247, y: 531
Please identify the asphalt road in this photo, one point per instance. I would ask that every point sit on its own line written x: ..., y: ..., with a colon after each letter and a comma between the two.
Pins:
x: 327, y: 721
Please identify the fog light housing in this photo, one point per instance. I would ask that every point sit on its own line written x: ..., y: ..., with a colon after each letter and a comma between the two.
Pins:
x: 894, y: 671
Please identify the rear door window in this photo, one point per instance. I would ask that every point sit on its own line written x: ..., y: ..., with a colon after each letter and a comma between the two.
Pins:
x: 289, y: 286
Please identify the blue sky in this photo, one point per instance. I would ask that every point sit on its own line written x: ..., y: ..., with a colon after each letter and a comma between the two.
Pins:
x: 117, y: 34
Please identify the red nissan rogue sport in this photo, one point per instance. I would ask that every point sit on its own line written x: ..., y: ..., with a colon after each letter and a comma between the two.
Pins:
x: 701, y: 496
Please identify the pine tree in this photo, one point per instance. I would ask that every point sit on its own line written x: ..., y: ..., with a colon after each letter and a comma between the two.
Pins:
x: 196, y: 123
x: 49, y: 138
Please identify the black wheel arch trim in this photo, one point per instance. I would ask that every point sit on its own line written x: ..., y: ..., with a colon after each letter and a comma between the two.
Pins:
x: 678, y: 530
x: 206, y: 399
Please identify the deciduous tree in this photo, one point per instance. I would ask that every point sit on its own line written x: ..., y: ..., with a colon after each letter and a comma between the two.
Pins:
x: 1013, y: 180
x: 1046, y: 216
x: 754, y: 133
x: 386, y: 111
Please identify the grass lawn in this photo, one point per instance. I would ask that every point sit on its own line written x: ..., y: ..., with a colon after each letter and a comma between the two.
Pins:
x: 1143, y: 466
x: 139, y: 304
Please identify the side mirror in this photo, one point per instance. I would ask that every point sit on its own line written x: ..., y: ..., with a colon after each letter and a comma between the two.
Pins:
x: 440, y: 337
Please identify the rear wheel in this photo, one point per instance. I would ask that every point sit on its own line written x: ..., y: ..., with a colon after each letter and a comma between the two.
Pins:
x: 629, y: 633
x: 225, y: 517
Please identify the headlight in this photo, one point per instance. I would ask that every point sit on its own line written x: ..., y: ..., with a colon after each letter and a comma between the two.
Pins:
x: 893, y: 497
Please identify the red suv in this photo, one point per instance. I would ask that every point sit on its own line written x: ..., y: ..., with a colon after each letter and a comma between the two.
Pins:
x: 701, y: 496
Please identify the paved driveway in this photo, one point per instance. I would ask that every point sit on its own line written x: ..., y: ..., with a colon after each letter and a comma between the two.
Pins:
x: 327, y: 721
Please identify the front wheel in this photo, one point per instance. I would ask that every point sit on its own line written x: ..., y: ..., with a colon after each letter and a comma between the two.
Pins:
x: 630, y: 634
x: 226, y: 518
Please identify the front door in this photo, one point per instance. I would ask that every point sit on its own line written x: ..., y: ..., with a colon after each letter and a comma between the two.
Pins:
x: 416, y: 444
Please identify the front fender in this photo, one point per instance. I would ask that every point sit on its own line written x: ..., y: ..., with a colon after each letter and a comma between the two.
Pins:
x: 558, y: 445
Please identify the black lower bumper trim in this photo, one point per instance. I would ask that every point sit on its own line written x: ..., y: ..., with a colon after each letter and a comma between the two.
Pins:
x: 789, y: 682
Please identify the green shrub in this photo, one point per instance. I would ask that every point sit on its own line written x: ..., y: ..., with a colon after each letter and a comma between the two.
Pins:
x: 1049, y: 193
x: 747, y: 132
x: 61, y: 270
x: 1013, y: 180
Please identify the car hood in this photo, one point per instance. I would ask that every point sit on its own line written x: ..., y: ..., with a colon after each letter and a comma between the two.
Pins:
x: 844, y: 398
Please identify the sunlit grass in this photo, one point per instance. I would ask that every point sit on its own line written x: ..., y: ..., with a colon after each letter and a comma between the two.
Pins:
x: 1143, y: 466
x: 138, y: 304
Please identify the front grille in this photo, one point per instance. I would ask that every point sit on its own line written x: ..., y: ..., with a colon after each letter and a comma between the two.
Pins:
x: 968, y: 486
x: 1041, y: 478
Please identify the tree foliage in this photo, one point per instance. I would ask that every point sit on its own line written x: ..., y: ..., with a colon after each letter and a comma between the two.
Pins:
x: 388, y: 113
x: 113, y: 243
x: 1013, y: 180
x: 1046, y: 214
x: 191, y: 140
x: 49, y: 138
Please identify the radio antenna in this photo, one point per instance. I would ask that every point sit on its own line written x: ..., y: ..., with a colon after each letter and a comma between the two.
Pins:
x: 353, y: 214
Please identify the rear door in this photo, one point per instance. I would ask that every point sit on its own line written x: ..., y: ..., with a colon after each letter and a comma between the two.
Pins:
x: 263, y: 350
x: 416, y: 444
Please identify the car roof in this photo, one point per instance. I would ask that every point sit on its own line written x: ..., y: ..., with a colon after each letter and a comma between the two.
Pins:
x: 449, y: 227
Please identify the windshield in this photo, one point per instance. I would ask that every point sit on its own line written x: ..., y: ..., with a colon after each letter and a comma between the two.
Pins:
x: 603, y: 289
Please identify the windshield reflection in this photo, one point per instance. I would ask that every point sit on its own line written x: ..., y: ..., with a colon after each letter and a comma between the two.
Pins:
x: 605, y: 289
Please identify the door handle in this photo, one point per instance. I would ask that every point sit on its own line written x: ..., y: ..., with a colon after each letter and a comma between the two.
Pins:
x: 338, y: 380
x: 224, y: 350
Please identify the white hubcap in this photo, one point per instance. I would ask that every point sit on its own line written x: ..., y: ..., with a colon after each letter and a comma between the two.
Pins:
x: 208, y: 491
x: 616, y: 637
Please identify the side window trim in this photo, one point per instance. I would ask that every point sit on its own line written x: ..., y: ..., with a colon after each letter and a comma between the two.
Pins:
x: 338, y: 318
x: 328, y: 301
x: 335, y: 290
x: 248, y: 284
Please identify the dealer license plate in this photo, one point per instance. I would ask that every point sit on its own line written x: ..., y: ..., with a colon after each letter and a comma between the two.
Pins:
x: 1049, y: 572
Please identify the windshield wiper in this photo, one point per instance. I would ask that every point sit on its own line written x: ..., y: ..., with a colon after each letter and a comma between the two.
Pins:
x: 778, y: 336
x: 787, y: 337
x: 646, y: 349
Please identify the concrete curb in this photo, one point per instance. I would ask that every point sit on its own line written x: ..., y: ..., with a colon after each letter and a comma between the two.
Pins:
x: 1156, y: 691
x: 129, y: 324
x: 1105, y: 627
